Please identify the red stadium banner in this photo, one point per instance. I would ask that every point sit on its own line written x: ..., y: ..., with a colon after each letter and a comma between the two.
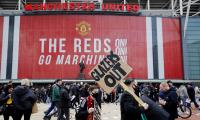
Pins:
x: 171, y: 38
x: 53, y: 46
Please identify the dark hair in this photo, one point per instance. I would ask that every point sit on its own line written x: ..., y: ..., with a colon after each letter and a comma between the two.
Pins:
x: 7, y: 87
x: 91, y: 88
x: 169, y: 81
x: 57, y: 80
x: 10, y: 81
x: 128, y: 81
x: 86, y: 86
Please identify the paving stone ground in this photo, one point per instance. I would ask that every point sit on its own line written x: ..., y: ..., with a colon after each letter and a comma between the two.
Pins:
x: 109, y: 112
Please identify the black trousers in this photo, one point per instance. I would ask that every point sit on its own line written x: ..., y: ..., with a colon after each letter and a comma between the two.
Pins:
x: 193, y: 99
x: 20, y: 113
x: 9, y: 111
x: 64, y: 111
x: 57, y: 104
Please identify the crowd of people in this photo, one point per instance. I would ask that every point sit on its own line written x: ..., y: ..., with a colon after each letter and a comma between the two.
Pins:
x: 160, y: 100
x: 17, y: 102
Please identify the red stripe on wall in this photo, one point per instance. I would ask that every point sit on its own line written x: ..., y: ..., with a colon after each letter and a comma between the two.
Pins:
x: 172, y: 49
x: 32, y: 28
x: 1, y: 37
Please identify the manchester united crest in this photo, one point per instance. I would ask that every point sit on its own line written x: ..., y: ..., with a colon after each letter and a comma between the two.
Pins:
x: 83, y: 28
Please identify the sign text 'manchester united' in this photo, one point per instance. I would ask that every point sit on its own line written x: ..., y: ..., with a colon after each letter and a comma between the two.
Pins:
x: 81, y: 7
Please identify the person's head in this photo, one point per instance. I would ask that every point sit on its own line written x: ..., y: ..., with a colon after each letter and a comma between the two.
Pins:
x: 59, y: 81
x: 26, y: 82
x: 131, y: 83
x: 170, y: 83
x: 67, y: 86
x: 10, y: 82
x: 189, y: 85
x: 86, y: 86
x: 93, y: 90
x: 145, y: 91
x: 111, y: 52
x: 9, y: 89
x: 164, y: 87
x: 81, y: 62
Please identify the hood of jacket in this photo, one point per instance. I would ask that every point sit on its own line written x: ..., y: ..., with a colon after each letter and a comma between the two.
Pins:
x: 21, y: 90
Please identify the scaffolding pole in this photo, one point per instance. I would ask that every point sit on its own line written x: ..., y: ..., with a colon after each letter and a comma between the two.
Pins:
x: 174, y: 10
x: 175, y: 3
x: 191, y: 2
x: 62, y: 1
x: 101, y: 3
x: 148, y: 4
x: 172, y: 5
x: 181, y: 7
x: 195, y: 14
x: 124, y: 5
x: 44, y: 1
x: 187, y: 17
x: 19, y: 4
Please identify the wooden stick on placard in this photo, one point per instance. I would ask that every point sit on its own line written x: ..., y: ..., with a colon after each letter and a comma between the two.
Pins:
x: 132, y: 93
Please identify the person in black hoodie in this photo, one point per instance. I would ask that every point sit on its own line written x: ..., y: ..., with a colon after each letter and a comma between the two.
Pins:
x: 64, y: 104
x: 168, y: 98
x: 23, y: 99
x: 84, y: 90
x: 130, y: 109
x: 191, y: 93
x: 7, y: 101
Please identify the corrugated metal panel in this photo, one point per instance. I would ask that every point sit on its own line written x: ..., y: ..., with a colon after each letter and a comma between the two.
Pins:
x: 191, y: 48
x: 1, y: 38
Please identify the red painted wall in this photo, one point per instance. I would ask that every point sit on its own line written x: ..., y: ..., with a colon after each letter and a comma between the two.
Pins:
x: 131, y: 30
x: 172, y: 49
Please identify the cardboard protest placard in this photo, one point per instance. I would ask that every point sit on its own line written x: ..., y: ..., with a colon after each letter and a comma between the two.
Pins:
x: 109, y: 72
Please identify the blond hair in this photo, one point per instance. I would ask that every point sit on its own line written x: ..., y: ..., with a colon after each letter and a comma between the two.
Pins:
x: 164, y: 86
x: 26, y: 82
